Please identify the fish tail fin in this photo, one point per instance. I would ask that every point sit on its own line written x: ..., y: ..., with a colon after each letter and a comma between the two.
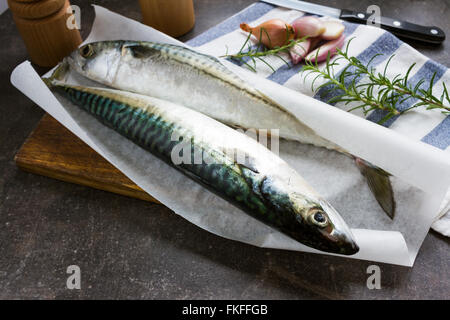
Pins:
x: 380, y: 185
x: 58, y: 74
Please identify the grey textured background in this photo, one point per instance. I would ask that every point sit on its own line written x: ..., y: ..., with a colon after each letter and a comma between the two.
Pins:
x: 131, y: 249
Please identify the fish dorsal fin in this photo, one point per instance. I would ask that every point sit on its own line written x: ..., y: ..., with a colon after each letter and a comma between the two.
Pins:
x: 138, y: 50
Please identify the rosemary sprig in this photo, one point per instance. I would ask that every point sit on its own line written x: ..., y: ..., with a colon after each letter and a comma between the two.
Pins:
x: 378, y: 92
x: 259, y: 51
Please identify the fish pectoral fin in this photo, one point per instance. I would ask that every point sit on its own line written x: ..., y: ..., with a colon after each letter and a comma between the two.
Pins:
x: 380, y: 184
x: 248, y: 173
x: 249, y: 166
x: 242, y: 159
x: 58, y: 75
x: 253, y: 179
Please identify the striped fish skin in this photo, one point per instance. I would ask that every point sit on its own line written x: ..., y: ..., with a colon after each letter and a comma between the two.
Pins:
x: 265, y: 188
x: 192, y: 79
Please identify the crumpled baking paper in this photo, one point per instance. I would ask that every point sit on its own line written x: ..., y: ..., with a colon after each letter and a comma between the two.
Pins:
x: 421, y: 173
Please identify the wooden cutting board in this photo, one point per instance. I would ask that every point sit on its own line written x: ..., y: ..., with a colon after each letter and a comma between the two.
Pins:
x: 52, y: 150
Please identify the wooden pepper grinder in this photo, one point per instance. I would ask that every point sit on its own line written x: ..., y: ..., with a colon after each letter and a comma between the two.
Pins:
x: 173, y: 17
x: 44, y: 27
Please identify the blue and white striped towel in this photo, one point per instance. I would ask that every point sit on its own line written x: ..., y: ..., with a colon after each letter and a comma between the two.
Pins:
x: 429, y: 126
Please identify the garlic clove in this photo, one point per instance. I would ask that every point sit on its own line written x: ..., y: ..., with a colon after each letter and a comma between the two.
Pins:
x: 272, y: 33
x: 320, y: 54
x: 299, y: 51
x: 308, y: 27
x: 333, y: 30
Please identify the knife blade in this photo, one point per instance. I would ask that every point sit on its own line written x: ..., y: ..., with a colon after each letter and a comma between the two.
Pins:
x: 398, y: 27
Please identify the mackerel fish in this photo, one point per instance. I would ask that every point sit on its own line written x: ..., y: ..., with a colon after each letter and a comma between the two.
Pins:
x: 263, y: 186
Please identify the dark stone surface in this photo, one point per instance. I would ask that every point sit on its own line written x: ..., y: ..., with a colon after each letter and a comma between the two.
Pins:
x: 128, y: 248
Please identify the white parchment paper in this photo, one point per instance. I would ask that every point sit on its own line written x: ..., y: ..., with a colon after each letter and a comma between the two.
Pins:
x: 421, y: 172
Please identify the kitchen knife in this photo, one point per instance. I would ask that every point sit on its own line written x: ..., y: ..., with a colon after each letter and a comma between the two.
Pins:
x: 398, y: 27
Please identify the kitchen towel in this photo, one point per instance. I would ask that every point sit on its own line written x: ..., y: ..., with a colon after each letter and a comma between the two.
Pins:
x: 429, y: 126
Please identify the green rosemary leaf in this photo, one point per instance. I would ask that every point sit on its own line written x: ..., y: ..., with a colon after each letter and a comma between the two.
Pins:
x: 387, y: 65
x: 446, y: 93
x: 387, y: 117
x: 254, y: 62
x: 280, y: 57
x: 405, y: 80
x: 405, y: 99
x: 314, y: 81
x: 245, y: 43
x: 373, y: 58
x: 338, y: 98
x: 267, y: 64
x: 398, y: 80
x: 435, y: 99
x: 361, y: 106
x: 270, y: 42
x: 418, y: 104
x: 249, y: 66
x: 430, y: 87
x: 418, y: 85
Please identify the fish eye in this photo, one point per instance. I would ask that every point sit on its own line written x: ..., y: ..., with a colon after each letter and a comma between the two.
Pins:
x: 319, y: 218
x: 87, y: 51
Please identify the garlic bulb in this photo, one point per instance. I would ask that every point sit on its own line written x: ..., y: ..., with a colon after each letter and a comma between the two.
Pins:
x: 308, y: 27
x: 272, y: 33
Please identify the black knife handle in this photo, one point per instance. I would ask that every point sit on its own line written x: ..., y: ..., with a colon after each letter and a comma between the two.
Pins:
x: 398, y: 27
